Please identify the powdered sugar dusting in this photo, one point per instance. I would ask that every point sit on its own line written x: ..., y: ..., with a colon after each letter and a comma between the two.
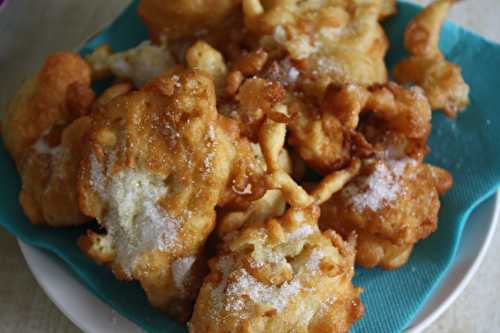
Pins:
x: 381, y: 187
x: 97, y: 179
x: 236, y: 286
x: 246, y: 285
x: 134, y: 220
x: 301, y: 232
x: 314, y: 260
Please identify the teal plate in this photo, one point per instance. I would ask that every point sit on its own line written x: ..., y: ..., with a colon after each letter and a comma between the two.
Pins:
x: 467, y: 146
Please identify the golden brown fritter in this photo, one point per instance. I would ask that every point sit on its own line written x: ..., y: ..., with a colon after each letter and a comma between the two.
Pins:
x: 271, y: 204
x: 394, y: 202
x: 333, y: 41
x: 159, y: 161
x: 58, y: 94
x: 391, y: 205
x: 442, y: 81
x: 46, y: 143
x: 280, y: 276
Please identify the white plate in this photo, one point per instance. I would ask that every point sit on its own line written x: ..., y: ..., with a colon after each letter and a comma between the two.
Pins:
x: 92, y: 315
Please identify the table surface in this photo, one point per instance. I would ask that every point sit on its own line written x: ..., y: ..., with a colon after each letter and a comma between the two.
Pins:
x: 29, y: 30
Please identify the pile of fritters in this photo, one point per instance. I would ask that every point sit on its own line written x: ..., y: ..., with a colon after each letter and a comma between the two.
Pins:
x: 245, y: 158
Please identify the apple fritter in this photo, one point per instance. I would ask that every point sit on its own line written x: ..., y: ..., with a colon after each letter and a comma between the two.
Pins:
x: 394, y: 202
x: 441, y: 80
x: 391, y: 205
x: 59, y: 93
x: 158, y: 163
x: 279, y: 274
x: 45, y: 140
x: 333, y: 41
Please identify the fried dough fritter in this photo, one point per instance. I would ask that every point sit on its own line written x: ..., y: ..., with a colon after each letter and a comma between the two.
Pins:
x: 391, y: 205
x: 278, y: 276
x: 159, y: 161
x: 334, y: 41
x: 44, y: 102
x: 394, y: 202
x: 282, y: 274
x: 45, y: 142
x: 441, y: 80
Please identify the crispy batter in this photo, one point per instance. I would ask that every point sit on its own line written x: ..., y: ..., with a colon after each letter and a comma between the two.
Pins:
x: 279, y: 274
x: 199, y: 131
x: 272, y: 203
x: 99, y: 61
x: 159, y: 161
x: 442, y: 81
x: 391, y: 205
x: 319, y: 138
x: 112, y: 92
x: 42, y: 102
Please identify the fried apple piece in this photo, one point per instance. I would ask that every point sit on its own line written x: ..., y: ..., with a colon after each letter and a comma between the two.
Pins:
x: 159, y: 161
x: 46, y: 143
x: 334, y: 41
x: 45, y: 101
x: 391, y: 205
x: 167, y: 20
x: 279, y: 274
x: 441, y: 80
